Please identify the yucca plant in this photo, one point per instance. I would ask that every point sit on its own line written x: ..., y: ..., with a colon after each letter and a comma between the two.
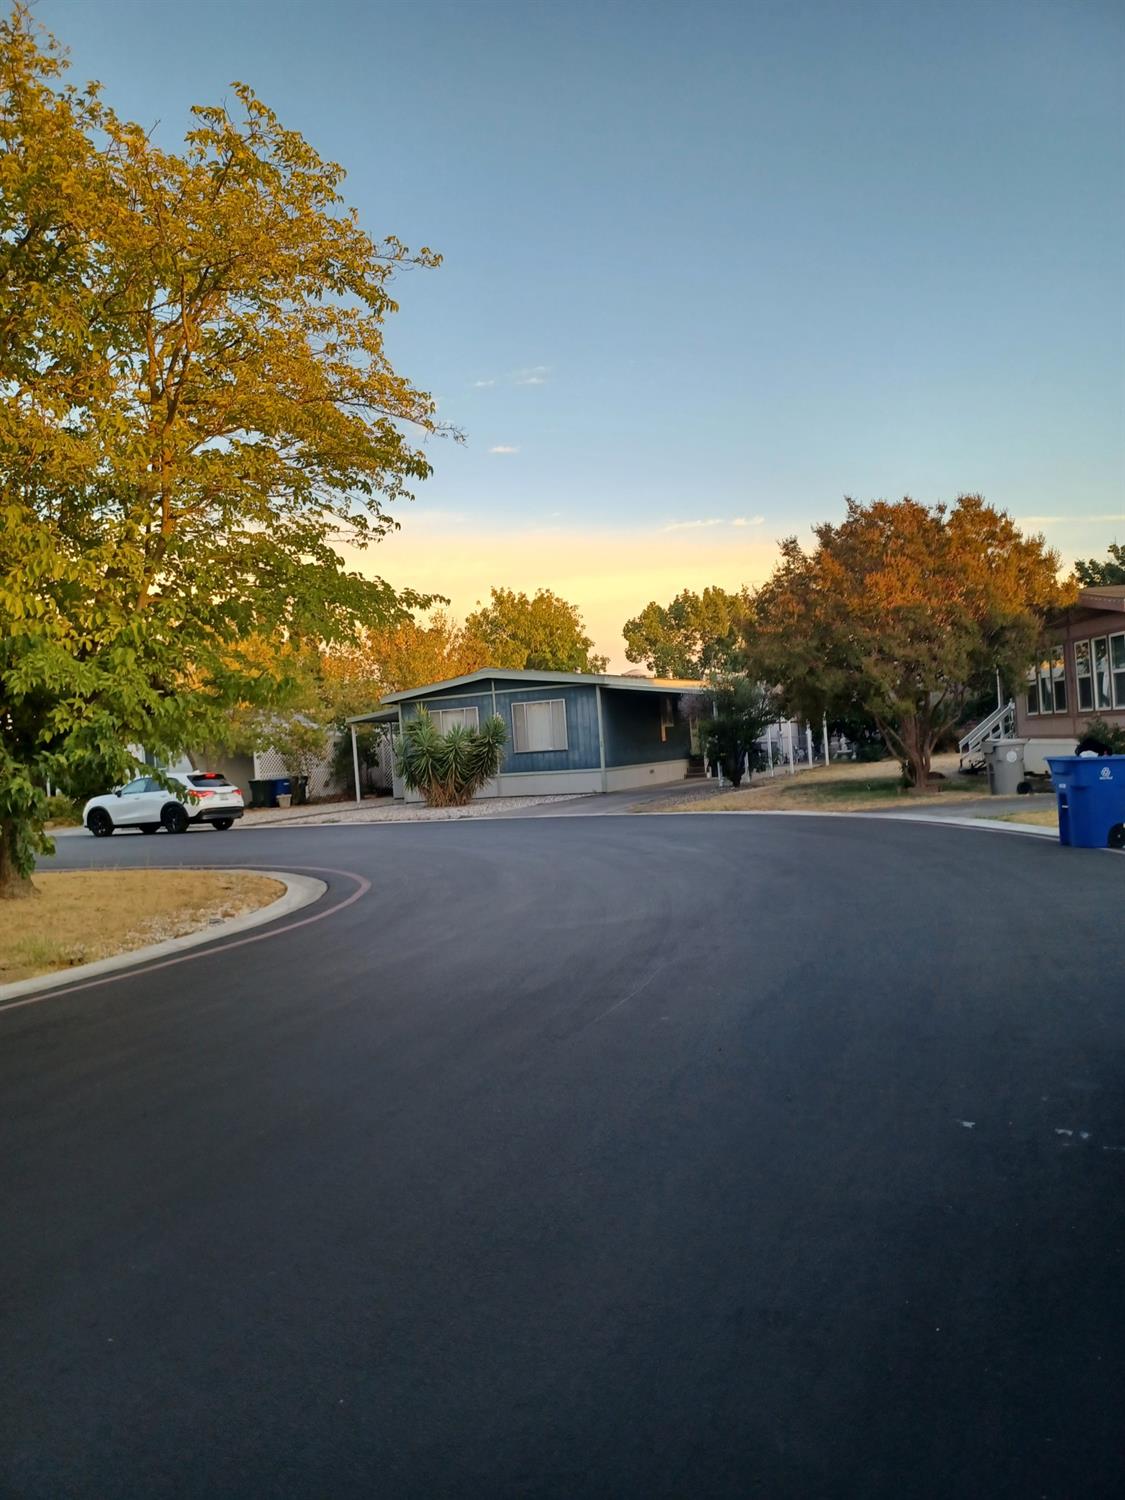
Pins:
x: 449, y: 769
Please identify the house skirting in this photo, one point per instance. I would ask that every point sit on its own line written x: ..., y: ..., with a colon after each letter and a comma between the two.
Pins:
x: 1036, y: 751
x: 558, y: 783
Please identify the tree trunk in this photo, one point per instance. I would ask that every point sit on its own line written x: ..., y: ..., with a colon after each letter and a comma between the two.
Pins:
x: 913, y: 743
x: 13, y: 884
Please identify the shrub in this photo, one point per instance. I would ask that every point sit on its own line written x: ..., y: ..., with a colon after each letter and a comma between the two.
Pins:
x: 1108, y: 736
x: 449, y: 769
x: 60, y: 809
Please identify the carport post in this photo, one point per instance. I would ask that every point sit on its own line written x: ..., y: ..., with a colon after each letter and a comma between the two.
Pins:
x: 601, y: 738
x: 824, y: 728
x: 355, y: 766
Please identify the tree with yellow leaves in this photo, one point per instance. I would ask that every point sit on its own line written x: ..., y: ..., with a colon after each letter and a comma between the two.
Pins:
x: 196, y: 406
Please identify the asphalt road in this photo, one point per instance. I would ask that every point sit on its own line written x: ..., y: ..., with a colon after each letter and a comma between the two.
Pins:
x: 690, y: 1156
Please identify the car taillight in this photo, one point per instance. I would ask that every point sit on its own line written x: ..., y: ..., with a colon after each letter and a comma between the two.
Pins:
x: 200, y: 793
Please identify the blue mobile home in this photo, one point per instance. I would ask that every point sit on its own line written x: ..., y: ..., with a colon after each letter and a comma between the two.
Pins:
x: 567, y: 731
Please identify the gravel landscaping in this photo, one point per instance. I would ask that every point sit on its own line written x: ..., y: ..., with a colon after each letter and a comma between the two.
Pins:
x: 387, y: 811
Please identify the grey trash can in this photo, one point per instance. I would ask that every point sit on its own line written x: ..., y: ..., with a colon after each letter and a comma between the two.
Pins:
x: 1005, y: 766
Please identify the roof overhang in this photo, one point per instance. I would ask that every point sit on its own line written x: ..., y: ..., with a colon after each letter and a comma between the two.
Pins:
x: 664, y: 685
x: 380, y: 716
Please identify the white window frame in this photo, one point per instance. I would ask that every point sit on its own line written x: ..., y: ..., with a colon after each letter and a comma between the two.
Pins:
x: 1095, y: 641
x: 1051, y: 676
x: 1080, y: 677
x: 519, y: 726
x: 1117, y: 641
x: 1031, y: 697
x: 456, y: 716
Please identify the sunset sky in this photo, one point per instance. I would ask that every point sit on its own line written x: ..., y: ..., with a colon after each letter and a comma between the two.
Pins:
x: 708, y: 268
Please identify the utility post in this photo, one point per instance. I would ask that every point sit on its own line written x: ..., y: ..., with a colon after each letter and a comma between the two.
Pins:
x: 355, y: 767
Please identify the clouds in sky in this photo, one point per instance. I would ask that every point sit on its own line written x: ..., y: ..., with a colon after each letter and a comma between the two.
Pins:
x: 714, y: 521
x: 532, y: 375
x: 504, y: 448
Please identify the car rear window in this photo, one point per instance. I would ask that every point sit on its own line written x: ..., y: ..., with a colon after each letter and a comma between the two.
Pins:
x: 209, y: 778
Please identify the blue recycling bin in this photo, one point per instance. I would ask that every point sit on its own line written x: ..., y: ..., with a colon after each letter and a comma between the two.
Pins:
x: 282, y: 787
x: 1090, y: 791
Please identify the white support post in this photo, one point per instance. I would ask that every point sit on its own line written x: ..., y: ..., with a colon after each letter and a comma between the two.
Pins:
x: 601, y: 739
x: 789, y: 726
x: 769, y: 750
x: 808, y: 741
x: 824, y: 729
x: 355, y: 766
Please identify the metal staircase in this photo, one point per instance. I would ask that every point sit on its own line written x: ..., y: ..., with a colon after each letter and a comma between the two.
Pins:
x: 1000, y: 725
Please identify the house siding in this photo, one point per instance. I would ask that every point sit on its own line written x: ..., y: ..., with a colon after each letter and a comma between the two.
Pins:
x: 635, y: 753
x: 1058, y: 733
x: 1070, y: 725
x: 581, y: 753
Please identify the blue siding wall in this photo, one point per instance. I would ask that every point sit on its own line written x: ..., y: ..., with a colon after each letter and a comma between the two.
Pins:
x: 581, y: 721
x: 581, y: 730
x: 632, y: 724
x: 632, y: 730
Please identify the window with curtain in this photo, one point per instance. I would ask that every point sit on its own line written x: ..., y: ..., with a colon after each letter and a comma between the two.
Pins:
x: 446, y: 719
x: 539, y: 726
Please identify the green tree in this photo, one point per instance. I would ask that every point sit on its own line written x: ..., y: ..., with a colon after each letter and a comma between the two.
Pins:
x: 695, y: 634
x: 1094, y: 571
x: 543, y: 633
x: 899, y: 611
x: 196, y: 407
x: 734, y: 714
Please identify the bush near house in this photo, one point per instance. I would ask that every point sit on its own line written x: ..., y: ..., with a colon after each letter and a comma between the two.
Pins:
x: 1108, y: 735
x: 449, y: 769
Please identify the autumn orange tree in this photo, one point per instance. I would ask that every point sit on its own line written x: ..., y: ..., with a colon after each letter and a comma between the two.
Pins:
x: 899, y: 611
x: 196, y: 407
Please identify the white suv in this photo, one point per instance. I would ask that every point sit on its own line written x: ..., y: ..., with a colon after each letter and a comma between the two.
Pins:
x: 207, y: 797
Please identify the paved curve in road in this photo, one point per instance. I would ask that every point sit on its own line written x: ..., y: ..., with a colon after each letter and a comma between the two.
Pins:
x: 618, y: 1157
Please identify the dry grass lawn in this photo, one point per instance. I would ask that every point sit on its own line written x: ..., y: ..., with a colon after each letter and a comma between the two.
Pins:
x: 79, y: 916
x: 845, y: 787
x: 1046, y: 817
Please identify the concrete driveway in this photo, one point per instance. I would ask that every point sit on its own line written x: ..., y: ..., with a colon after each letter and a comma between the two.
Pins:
x: 686, y: 1156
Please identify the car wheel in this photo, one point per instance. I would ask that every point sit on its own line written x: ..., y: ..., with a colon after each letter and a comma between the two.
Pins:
x: 222, y: 824
x: 1117, y: 837
x: 99, y: 823
x: 174, y: 818
x: 148, y: 827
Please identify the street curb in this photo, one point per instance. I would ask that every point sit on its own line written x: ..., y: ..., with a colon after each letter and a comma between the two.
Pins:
x: 300, y: 890
x: 988, y: 825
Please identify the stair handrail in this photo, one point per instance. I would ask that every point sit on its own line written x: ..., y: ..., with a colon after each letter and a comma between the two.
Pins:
x: 1002, y: 719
